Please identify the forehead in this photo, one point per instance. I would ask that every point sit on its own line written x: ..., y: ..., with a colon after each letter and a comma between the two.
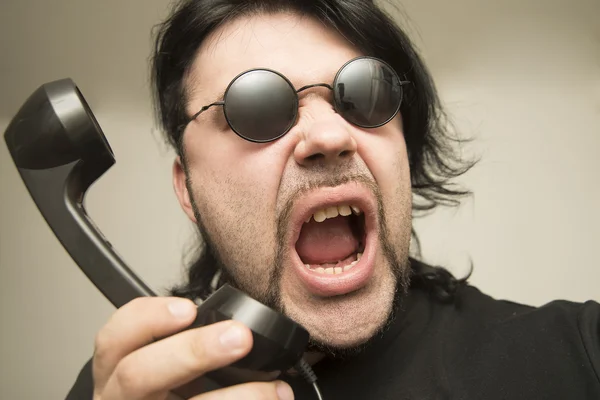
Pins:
x: 301, y: 48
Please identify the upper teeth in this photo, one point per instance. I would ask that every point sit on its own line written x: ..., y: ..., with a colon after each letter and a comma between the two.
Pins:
x: 332, y: 212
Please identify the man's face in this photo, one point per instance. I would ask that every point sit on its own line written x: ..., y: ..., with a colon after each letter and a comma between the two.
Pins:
x: 253, y: 200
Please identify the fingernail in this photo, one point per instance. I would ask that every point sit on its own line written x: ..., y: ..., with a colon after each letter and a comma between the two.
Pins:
x: 284, y: 391
x: 181, y: 308
x: 232, y: 337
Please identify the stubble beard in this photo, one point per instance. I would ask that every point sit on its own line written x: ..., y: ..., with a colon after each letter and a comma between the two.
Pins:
x: 398, y: 262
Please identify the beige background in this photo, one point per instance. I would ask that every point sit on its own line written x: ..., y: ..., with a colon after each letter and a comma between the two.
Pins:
x: 523, y: 77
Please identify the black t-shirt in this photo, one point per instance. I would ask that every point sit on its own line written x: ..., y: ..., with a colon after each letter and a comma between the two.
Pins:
x: 474, y: 348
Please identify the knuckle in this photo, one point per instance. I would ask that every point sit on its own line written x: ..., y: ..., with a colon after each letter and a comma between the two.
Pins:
x: 255, y: 391
x: 99, y: 341
x: 128, y: 378
x: 105, y: 338
x: 137, y: 303
x: 197, y: 345
x: 265, y: 391
x: 272, y: 391
x: 102, y: 345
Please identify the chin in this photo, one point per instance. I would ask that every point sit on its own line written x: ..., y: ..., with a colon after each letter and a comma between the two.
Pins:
x: 346, y: 321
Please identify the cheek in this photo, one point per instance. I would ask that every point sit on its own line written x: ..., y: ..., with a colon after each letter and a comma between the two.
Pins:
x: 386, y: 157
x: 230, y: 174
x: 384, y: 152
x: 235, y: 186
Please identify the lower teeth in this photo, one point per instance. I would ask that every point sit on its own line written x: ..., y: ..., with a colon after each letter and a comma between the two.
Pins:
x: 336, y: 270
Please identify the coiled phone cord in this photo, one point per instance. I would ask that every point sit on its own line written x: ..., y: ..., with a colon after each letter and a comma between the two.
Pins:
x: 308, y: 374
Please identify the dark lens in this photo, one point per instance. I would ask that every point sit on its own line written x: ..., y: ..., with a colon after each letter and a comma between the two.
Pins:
x: 260, y: 105
x: 367, y: 92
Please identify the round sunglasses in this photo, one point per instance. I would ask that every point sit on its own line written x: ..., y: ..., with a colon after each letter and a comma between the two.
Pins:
x: 261, y: 105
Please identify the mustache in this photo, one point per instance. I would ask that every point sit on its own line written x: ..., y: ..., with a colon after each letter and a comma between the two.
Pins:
x: 328, y: 181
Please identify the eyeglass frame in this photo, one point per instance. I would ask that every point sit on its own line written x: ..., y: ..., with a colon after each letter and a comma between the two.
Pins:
x: 296, y: 99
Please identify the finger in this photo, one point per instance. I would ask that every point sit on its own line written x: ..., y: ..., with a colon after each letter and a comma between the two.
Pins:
x: 169, y: 363
x: 135, y: 325
x: 205, y: 384
x: 251, y: 391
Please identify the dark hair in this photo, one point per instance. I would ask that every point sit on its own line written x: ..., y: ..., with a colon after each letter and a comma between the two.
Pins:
x: 432, y: 155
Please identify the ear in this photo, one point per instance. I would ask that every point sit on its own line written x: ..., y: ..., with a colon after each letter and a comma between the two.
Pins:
x: 181, y: 189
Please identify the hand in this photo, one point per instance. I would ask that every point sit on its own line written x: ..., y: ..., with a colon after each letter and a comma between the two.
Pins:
x: 131, y: 363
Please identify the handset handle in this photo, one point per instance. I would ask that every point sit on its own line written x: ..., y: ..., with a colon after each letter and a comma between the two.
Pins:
x: 59, y: 150
x: 58, y: 195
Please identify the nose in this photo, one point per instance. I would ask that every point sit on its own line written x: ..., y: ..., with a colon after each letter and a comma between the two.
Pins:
x: 326, y: 139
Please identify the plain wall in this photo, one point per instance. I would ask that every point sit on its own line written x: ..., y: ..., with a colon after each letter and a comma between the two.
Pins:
x: 521, y: 77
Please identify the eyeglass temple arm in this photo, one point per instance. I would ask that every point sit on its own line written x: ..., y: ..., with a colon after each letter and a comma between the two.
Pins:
x: 218, y: 103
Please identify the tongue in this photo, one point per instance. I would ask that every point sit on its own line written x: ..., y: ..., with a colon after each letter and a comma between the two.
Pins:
x: 326, y: 242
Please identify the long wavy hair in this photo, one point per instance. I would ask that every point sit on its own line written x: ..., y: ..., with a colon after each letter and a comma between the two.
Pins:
x: 432, y: 146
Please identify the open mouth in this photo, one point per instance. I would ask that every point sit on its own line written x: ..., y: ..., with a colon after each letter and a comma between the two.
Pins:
x: 332, y: 239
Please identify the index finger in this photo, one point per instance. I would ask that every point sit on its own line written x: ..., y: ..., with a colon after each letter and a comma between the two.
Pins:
x: 137, y: 324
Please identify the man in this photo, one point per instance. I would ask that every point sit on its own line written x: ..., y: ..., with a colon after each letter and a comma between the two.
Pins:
x: 307, y: 134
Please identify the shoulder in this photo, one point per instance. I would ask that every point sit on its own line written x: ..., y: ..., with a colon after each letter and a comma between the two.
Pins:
x: 467, y: 304
x: 588, y: 322
x: 554, y: 318
x: 555, y: 322
x: 556, y: 344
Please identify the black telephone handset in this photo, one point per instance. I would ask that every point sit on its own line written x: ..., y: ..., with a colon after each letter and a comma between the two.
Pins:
x: 59, y: 150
